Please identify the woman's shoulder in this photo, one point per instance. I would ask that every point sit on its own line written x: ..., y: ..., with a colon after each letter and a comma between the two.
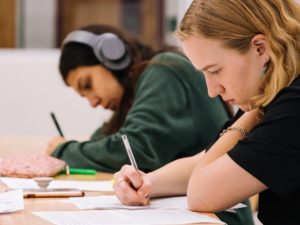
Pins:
x: 167, y: 66
x: 291, y: 90
x: 169, y: 56
x: 164, y: 68
x: 170, y: 62
x: 288, y: 97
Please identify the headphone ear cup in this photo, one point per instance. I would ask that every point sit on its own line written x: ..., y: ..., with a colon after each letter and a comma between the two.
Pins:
x: 112, y: 49
x: 112, y: 52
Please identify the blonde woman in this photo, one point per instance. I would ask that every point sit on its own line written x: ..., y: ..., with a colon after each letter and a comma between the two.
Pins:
x: 249, y: 52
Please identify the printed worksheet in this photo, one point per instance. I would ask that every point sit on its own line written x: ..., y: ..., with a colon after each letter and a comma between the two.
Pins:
x: 112, y: 202
x: 126, y: 217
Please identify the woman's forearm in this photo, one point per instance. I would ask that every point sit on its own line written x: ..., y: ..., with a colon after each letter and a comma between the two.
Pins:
x: 172, y: 179
x: 207, y: 174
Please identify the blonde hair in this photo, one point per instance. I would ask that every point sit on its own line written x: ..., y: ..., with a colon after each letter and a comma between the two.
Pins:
x: 236, y: 22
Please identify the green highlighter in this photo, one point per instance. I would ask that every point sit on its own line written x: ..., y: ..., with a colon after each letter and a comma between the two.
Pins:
x: 82, y: 171
x: 69, y: 171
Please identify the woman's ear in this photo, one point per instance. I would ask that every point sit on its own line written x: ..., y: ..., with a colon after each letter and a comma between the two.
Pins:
x: 260, y: 44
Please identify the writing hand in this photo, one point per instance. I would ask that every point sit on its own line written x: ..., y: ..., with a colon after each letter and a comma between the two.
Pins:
x: 132, y: 187
x: 52, y: 144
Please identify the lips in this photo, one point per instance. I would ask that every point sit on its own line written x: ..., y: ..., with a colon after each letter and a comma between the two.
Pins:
x: 111, y: 105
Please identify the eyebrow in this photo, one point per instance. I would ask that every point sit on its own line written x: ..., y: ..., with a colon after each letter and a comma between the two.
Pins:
x: 207, y: 67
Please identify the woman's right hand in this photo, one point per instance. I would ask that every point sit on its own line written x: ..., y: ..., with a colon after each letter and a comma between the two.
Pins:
x: 52, y: 145
x: 132, y: 187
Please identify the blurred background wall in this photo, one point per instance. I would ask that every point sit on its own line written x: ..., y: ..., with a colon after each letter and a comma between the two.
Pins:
x: 31, y: 33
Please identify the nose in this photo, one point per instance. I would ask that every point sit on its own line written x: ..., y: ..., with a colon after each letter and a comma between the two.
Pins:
x: 94, y: 100
x: 214, y: 89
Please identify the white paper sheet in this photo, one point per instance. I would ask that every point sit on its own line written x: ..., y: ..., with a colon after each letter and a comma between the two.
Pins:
x: 111, y: 202
x: 82, y: 185
x: 126, y: 217
x: 100, y: 202
x: 11, y: 201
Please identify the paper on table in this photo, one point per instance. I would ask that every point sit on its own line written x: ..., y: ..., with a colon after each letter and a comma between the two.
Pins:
x: 126, y: 217
x: 101, y: 202
x: 181, y: 203
x: 11, y: 201
x: 82, y: 185
x: 109, y: 202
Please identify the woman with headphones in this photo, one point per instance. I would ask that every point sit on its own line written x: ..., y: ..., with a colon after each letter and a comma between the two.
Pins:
x: 159, y: 101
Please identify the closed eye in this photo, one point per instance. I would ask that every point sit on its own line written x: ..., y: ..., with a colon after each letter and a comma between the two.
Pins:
x: 215, y: 72
x: 85, y: 84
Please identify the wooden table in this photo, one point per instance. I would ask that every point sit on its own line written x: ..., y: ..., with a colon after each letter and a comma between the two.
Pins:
x: 25, y: 217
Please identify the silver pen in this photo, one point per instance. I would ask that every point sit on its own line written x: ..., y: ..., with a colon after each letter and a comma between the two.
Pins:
x: 132, y: 161
x: 129, y: 152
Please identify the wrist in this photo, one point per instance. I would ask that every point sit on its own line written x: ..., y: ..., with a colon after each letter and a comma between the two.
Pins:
x: 241, y: 130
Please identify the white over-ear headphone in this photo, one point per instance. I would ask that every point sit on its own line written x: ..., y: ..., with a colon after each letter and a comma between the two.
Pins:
x: 108, y: 48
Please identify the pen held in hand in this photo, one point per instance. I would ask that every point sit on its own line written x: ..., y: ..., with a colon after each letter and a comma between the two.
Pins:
x: 132, y: 161
x: 129, y: 152
x: 56, y: 124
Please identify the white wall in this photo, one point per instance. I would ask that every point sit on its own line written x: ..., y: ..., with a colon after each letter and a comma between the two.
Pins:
x: 36, y: 23
x: 183, y: 5
x: 31, y: 87
x: 171, y: 9
x: 175, y: 8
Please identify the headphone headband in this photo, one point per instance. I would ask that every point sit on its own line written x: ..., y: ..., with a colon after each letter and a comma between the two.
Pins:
x: 108, y: 48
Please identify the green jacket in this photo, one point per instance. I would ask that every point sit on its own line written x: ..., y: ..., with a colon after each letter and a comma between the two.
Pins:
x: 172, y: 116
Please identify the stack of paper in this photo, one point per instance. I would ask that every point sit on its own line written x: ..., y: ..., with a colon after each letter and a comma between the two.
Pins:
x: 11, y: 201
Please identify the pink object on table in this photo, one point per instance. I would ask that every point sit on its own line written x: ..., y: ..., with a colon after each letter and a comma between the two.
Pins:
x: 30, y: 165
